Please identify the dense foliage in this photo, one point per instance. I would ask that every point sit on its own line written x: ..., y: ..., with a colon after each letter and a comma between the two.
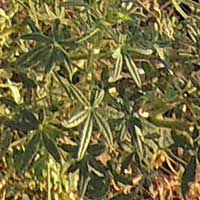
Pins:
x: 99, y: 99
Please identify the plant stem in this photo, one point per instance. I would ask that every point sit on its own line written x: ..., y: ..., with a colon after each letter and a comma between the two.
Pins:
x: 48, y: 181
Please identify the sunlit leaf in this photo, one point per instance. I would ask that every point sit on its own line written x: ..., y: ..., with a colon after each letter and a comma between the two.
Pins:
x: 117, y: 69
x: 79, y: 95
x: 141, y: 51
x: 85, y: 137
x: 133, y: 70
x: 104, y: 128
x: 76, y: 119
x: 99, y: 97
x: 15, y: 92
x: 179, y: 9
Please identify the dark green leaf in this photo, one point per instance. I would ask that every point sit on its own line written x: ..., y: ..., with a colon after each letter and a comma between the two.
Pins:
x: 182, y: 140
x: 51, y: 147
x: 72, y: 168
x: 71, y: 149
x: 5, y: 142
x: 30, y: 150
x: 49, y: 61
x: 96, y: 149
x: 188, y: 176
x: 83, y: 180
x: 39, y: 37
x: 29, y: 117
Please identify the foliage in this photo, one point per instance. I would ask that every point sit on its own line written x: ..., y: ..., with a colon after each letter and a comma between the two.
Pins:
x: 99, y: 99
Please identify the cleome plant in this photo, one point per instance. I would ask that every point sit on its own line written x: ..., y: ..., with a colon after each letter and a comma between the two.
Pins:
x: 99, y: 99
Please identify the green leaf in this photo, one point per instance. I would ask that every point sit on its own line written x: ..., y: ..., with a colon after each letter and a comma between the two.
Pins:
x: 5, y: 142
x: 21, y: 125
x: 141, y: 51
x: 29, y: 117
x: 96, y: 149
x: 27, y: 82
x: 191, y: 3
x: 99, y: 97
x: 39, y: 37
x: 33, y: 57
x: 49, y: 60
x: 122, y: 131
x: 71, y: 149
x: 182, y: 140
x: 78, y: 95
x: 68, y: 68
x: 74, y: 3
x: 76, y: 119
x: 84, y: 179
x: 52, y: 131
x: 87, y: 36
x: 30, y: 150
x: 179, y: 9
x: 73, y: 167
x: 133, y: 70
x: 15, y: 92
x: 104, y: 128
x: 112, y: 112
x: 188, y: 176
x: 86, y: 135
x: 51, y: 147
x: 117, y: 69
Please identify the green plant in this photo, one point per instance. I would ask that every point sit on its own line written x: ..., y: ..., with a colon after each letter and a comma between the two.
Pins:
x: 106, y: 91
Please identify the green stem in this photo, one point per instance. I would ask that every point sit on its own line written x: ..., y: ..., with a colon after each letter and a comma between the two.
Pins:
x: 48, y: 181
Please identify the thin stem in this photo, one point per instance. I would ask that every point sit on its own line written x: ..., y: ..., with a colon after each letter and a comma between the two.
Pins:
x: 48, y: 181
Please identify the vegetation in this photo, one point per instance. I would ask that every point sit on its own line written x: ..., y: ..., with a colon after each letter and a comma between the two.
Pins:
x: 99, y: 99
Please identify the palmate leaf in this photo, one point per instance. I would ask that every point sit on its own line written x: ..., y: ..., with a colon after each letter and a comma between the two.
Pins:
x: 86, y: 135
x: 76, y: 119
x: 51, y: 147
x: 104, y: 127
x: 133, y: 70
